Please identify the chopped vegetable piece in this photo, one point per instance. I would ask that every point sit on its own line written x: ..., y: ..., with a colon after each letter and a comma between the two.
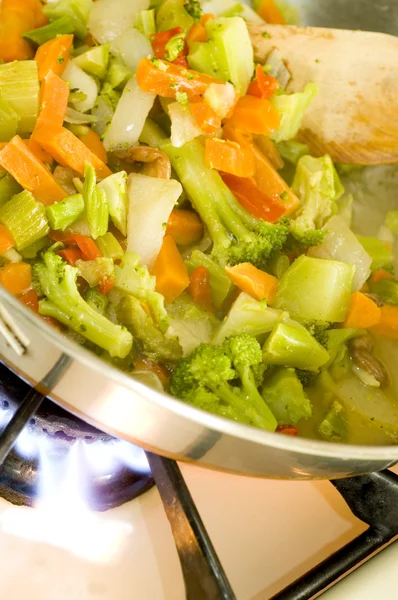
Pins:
x: 87, y: 246
x: 268, y: 10
x: 54, y: 102
x: 25, y: 219
x: 46, y: 33
x: 94, y: 61
x: 159, y: 41
x: 254, y: 115
x: 184, y: 226
x: 334, y: 425
x: 220, y: 283
x: 316, y: 289
x: 291, y: 109
x: 54, y: 55
x: 96, y: 203
x: 115, y: 188
x: 30, y: 173
x: 380, y: 252
x: 205, y: 117
x: 97, y: 270
x: 77, y: 10
x: 380, y: 274
x: 13, y: 23
x: 16, y: 277
x: 229, y: 157
x: 172, y: 13
x: 19, y: 86
x: 109, y: 246
x: 30, y: 299
x: 388, y: 324
x: 85, y: 89
x: 200, y: 288
x: 290, y: 344
x: 70, y: 255
x: 386, y: 290
x: 362, y: 312
x: 264, y: 85
x: 8, y: 187
x: 146, y: 22
x: 159, y: 77
x: 62, y: 214
x: 197, y: 33
x: 64, y: 303
x: 170, y: 271
x: 69, y: 151
x: 6, y: 239
x: 9, y: 120
x: 253, y: 199
x: 251, y: 280
x: 221, y: 97
x: 285, y: 396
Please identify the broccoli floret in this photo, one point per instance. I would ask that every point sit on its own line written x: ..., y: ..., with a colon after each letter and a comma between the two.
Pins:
x: 306, y: 377
x: 310, y: 237
x: 63, y: 302
x: 284, y: 394
x: 318, y: 329
x: 194, y: 9
x: 209, y: 369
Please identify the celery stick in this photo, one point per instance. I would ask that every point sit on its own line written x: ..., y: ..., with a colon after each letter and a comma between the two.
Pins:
x: 379, y: 252
x: 115, y: 189
x: 94, y: 61
x: 96, y: 204
x: 25, y: 218
x: 19, y: 86
x: 44, y: 34
x: 221, y: 285
x: 291, y: 345
x: 9, y: 120
x: 109, y: 246
x: 316, y: 289
x: 64, y: 213
x: 170, y: 14
x: 146, y: 22
x: 8, y: 187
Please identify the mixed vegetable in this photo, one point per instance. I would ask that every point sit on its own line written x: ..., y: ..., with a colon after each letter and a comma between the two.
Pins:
x: 157, y: 206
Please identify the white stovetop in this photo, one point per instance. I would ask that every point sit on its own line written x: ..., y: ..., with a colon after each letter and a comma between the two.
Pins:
x: 266, y: 534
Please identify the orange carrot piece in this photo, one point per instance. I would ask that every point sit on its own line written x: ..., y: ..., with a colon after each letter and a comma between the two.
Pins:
x: 39, y: 152
x: 230, y: 157
x: 106, y: 285
x: 287, y: 430
x: 381, y: 274
x: 69, y: 151
x: 206, y: 17
x: 255, y: 115
x: 170, y: 271
x: 197, y: 33
x: 184, y: 226
x: 16, y: 277
x: 206, y: 118
x: 30, y: 299
x: 93, y: 142
x: 253, y: 281
x: 264, y: 85
x: 144, y: 364
x: 6, y: 240
x: 388, y: 324
x: 15, y: 19
x: 253, y: 199
x: 160, y: 39
x: 30, y: 173
x: 268, y: 11
x: 362, y: 312
x: 54, y: 96
x: 54, y: 55
x: 267, y: 147
x: 87, y: 246
x: 166, y: 79
x: 70, y: 255
x: 200, y: 288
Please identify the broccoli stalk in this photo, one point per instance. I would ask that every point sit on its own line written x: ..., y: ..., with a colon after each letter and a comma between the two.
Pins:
x: 64, y: 303
x: 202, y: 379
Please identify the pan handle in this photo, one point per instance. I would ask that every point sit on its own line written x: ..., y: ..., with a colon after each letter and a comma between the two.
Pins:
x: 203, y: 573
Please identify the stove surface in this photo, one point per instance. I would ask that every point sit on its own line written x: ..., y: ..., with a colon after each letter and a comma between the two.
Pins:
x: 266, y: 533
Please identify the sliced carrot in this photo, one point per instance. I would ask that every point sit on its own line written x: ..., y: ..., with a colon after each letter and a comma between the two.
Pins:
x: 166, y: 79
x: 206, y: 17
x: 206, y: 118
x: 170, y: 271
x: 30, y: 299
x: 6, y: 240
x: 255, y: 115
x: 15, y: 19
x: 268, y: 11
x: 388, y: 324
x: 69, y: 151
x: 267, y: 147
x: 381, y: 274
x: 54, y: 96
x: 181, y: 61
x: 54, y: 55
x: 287, y: 429
x: 230, y: 157
x: 30, y: 173
x: 253, y: 199
x: 106, y: 285
x: 362, y: 312
x: 93, y: 142
x: 16, y: 277
x: 264, y: 85
x: 70, y: 255
x: 185, y: 227
x: 160, y: 39
x: 87, y: 246
x: 200, y: 288
x: 253, y: 281
x: 197, y: 33
x: 144, y: 364
x: 39, y: 152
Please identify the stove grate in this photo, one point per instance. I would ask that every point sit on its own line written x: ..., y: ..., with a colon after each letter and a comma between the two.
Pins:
x: 372, y: 498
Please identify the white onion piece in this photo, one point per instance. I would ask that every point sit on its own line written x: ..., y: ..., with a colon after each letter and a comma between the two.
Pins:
x: 151, y: 201
x: 341, y: 244
x: 103, y: 112
x: 131, y: 46
x: 219, y: 7
x: 183, y: 125
x: 109, y: 18
x: 129, y: 118
x: 80, y: 81
x: 74, y: 117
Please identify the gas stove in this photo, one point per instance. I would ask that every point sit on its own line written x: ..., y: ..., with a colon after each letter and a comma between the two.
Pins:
x: 80, y: 514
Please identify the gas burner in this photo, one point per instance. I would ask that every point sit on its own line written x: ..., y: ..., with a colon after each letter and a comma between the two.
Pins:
x: 110, y: 471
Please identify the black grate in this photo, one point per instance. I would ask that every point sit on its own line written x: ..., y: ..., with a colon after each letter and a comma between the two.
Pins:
x: 372, y: 498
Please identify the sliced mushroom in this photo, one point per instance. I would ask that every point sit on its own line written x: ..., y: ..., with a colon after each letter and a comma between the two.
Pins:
x: 366, y: 361
x: 156, y: 163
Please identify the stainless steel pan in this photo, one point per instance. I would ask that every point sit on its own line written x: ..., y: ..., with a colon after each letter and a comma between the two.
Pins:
x: 120, y: 405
